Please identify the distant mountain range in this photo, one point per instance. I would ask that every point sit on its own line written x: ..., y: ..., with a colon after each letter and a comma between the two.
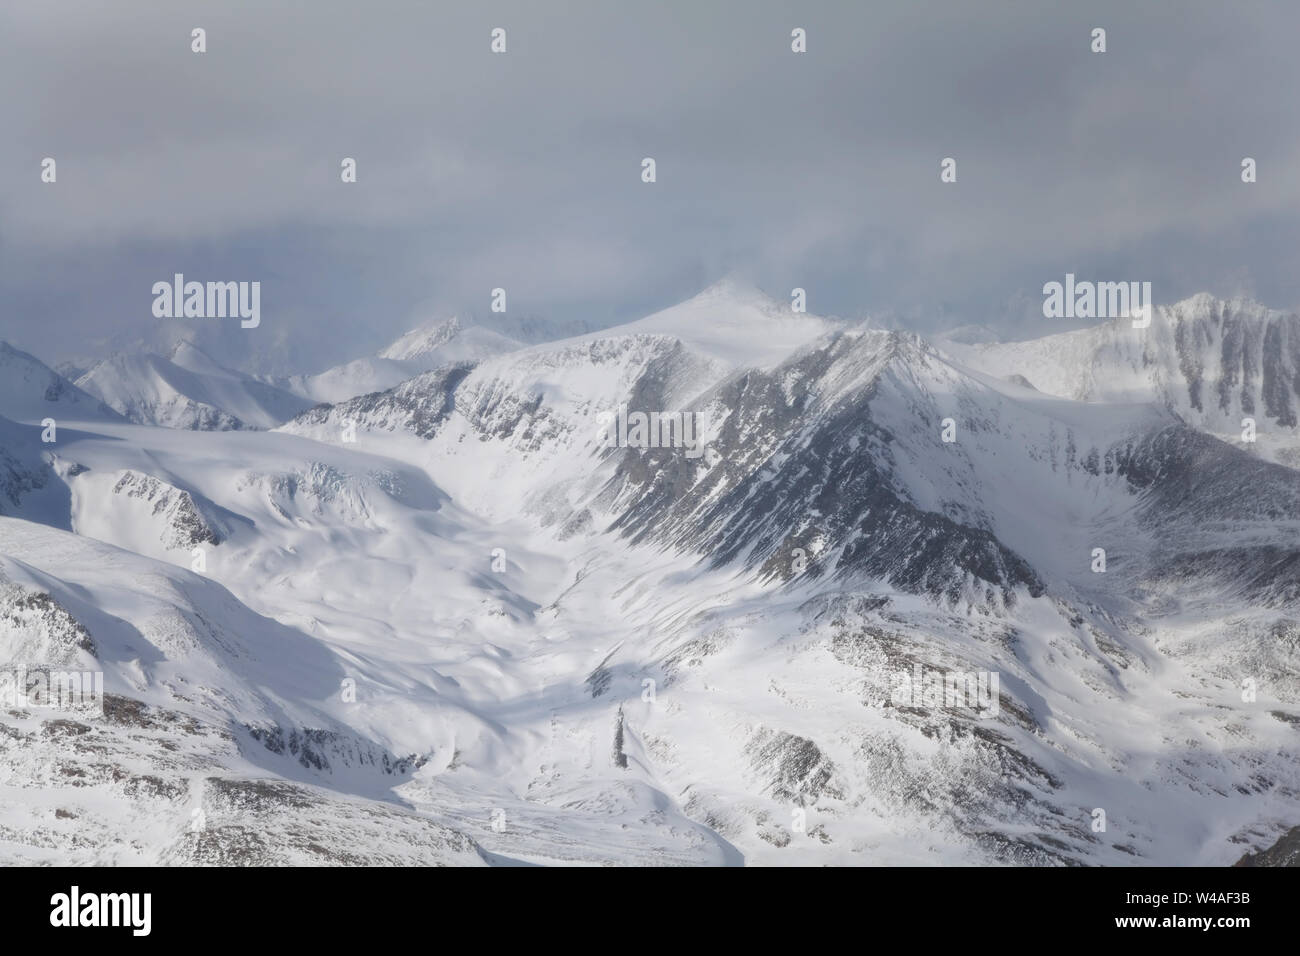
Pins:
x: 417, y: 608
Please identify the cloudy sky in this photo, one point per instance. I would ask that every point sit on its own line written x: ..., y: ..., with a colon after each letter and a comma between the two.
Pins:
x: 522, y: 170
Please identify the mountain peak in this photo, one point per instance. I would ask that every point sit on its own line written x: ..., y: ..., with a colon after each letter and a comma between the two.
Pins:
x: 1204, y: 305
x: 732, y: 322
x: 731, y: 290
x: 30, y: 390
x: 423, y: 339
x: 183, y: 348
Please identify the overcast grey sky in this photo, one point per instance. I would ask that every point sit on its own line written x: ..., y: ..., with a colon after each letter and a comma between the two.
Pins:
x: 522, y: 170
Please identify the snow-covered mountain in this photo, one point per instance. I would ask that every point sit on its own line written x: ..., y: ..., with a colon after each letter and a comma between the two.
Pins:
x: 30, y: 391
x: 25, y: 472
x: 1213, y: 362
x: 448, y: 622
x: 207, y: 704
x: 187, y: 389
x: 420, y: 350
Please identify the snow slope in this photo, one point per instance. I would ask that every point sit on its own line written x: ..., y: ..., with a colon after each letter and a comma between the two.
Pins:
x: 30, y: 392
x: 172, y: 770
